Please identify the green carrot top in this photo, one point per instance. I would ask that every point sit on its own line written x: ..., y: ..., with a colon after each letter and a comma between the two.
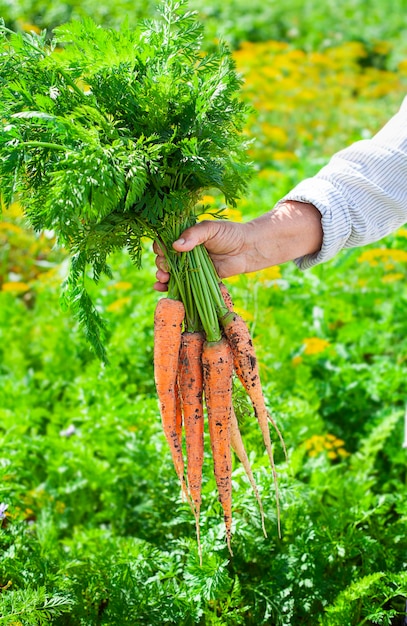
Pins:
x: 111, y: 136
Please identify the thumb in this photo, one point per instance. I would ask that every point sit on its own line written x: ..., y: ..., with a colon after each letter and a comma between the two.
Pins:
x: 195, y: 235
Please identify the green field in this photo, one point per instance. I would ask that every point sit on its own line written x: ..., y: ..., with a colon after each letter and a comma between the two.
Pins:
x: 93, y: 529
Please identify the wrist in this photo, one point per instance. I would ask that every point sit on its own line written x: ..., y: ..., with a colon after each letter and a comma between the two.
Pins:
x: 290, y: 230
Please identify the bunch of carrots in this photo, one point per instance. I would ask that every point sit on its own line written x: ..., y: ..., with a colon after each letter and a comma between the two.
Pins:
x: 111, y: 136
x: 192, y: 370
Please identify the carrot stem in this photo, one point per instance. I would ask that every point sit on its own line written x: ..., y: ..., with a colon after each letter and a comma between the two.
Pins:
x: 203, y: 299
x: 212, y: 280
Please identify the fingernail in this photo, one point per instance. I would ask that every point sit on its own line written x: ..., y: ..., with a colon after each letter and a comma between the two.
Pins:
x: 180, y: 242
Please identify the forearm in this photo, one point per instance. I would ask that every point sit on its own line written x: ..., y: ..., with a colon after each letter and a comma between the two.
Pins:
x: 361, y: 193
x: 291, y: 230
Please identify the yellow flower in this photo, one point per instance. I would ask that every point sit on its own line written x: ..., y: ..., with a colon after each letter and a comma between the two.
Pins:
x: 121, y: 286
x: 234, y: 279
x: 317, y: 58
x: 328, y: 443
x: 247, y: 315
x: 348, y: 51
x: 84, y: 86
x: 14, y: 210
x: 206, y: 216
x: 6, y: 586
x: 60, y: 506
x: 382, y: 47
x: 402, y: 67
x: 269, y: 274
x: 296, y: 360
x: 275, y: 134
x: 118, y: 305
x: 271, y: 72
x: 402, y: 232
x: 315, y: 345
x: 398, y: 255
x: 11, y: 227
x: 28, y: 27
x: 207, y: 199
x: 391, y: 278
x: 233, y: 214
x: 383, y: 255
x: 309, y: 443
x: 284, y: 155
x: 15, y: 287
x: 267, y: 173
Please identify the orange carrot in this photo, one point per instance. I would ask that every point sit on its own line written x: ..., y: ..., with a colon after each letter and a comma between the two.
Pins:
x: 240, y: 450
x: 217, y: 365
x: 246, y: 367
x: 168, y: 319
x: 190, y: 380
x: 227, y: 298
x: 236, y: 437
x: 178, y: 435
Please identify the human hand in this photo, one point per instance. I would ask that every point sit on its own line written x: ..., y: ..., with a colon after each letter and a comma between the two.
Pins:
x: 225, y: 241
x: 291, y: 230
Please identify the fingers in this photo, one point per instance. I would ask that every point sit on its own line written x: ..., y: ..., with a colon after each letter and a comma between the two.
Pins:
x: 162, y: 279
x: 161, y: 287
x: 161, y: 264
x: 162, y: 276
x: 198, y: 234
x: 157, y: 248
x: 195, y: 235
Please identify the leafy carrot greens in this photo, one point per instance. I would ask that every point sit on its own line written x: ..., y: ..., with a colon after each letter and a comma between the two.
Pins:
x: 111, y: 136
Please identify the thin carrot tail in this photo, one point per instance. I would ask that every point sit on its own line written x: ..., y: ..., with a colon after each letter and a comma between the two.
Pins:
x: 267, y: 441
x: 190, y: 380
x: 280, y: 436
x: 246, y: 367
x: 227, y: 298
x: 240, y: 450
x: 217, y: 365
x: 177, y: 457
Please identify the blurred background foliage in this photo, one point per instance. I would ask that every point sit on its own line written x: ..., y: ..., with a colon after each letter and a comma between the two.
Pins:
x: 306, y: 24
x: 92, y: 527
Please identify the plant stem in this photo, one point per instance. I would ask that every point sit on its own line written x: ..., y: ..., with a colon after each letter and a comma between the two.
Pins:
x: 43, y: 144
x: 191, y: 313
x: 70, y: 82
x: 203, y: 297
x: 212, y: 279
x: 4, y: 29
